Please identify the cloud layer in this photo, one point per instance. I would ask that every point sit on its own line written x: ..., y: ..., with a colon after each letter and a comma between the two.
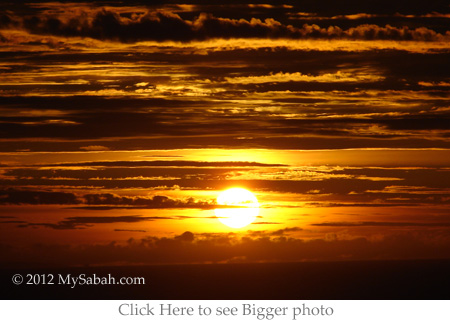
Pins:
x: 162, y: 26
x: 228, y: 248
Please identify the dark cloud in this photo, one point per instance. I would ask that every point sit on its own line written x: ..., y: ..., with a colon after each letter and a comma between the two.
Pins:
x: 259, y: 131
x: 108, y: 220
x: 135, y: 172
x: 2, y: 38
x: 325, y: 7
x: 84, y: 222
x: 100, y: 201
x: 285, y: 232
x: 127, y: 164
x: 187, y: 236
x: 6, y: 20
x: 382, y: 224
x: 326, y: 187
x: 419, y: 123
x: 13, y: 196
x: 12, y: 222
x: 361, y: 204
x: 237, y: 141
x: 281, y: 232
x: 131, y: 230
x: 89, y: 221
x: 154, y: 202
x: 407, y: 106
x: 163, y: 25
x: 220, y: 248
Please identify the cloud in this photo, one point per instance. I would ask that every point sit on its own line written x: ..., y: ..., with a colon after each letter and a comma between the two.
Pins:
x: 160, y: 25
x: 17, y: 197
x: 131, y: 230
x: 222, y: 248
x: 382, y: 224
x: 99, y: 201
x: 187, y: 236
x: 434, y: 84
x: 167, y: 163
x: 6, y: 20
x: 94, y: 148
x: 339, y: 76
x: 12, y: 222
x: 286, y: 230
x: 89, y: 221
x: 154, y: 202
x: 360, y: 204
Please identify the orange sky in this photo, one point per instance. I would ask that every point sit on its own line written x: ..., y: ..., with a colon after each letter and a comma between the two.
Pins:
x: 121, y: 124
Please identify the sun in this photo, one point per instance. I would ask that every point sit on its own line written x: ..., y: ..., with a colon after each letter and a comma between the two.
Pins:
x: 243, y: 207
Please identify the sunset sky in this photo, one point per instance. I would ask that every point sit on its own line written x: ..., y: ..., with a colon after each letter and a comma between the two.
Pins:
x: 121, y: 123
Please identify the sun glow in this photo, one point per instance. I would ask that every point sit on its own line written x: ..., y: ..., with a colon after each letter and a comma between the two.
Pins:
x: 243, y: 207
